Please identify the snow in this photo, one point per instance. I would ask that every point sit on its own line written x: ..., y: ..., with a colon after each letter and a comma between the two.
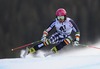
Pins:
x: 83, y: 58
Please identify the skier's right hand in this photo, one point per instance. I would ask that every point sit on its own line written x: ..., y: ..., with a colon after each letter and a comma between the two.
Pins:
x: 45, y: 33
x: 43, y: 39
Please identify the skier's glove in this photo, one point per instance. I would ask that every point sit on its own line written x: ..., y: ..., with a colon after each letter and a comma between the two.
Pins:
x: 45, y: 33
x: 43, y: 39
x: 76, y: 43
x: 77, y: 36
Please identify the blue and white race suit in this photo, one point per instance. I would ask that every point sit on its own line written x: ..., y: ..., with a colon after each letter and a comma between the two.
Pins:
x: 63, y: 30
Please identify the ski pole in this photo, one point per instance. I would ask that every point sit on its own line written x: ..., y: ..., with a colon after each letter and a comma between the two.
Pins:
x: 83, y: 45
x: 89, y: 46
x: 26, y: 45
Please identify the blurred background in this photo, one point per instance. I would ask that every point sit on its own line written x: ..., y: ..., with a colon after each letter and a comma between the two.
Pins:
x: 23, y: 21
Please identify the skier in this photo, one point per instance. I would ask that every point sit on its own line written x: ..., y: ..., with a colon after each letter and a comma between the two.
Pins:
x: 62, y: 37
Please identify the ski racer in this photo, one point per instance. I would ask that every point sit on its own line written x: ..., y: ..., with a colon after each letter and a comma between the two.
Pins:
x: 62, y: 36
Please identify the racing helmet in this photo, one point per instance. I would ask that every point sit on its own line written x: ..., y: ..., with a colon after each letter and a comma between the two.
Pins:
x: 61, y: 12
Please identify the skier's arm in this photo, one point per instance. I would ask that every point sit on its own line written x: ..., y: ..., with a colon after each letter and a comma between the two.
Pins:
x: 45, y: 32
x: 50, y: 27
x: 76, y: 30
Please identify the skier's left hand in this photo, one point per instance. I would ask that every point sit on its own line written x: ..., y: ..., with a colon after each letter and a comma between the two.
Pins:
x: 76, y: 43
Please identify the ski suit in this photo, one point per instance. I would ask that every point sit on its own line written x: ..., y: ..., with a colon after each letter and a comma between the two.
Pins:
x: 62, y: 35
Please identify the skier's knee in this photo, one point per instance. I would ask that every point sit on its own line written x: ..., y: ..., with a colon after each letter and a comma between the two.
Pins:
x: 67, y: 41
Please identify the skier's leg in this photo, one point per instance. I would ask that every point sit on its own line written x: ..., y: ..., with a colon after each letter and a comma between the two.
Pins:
x: 65, y: 42
x: 38, y: 46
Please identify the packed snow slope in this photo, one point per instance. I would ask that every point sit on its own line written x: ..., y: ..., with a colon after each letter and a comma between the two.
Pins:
x: 83, y: 58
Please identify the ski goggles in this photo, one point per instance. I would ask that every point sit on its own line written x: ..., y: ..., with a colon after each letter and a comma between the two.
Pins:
x: 60, y: 17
